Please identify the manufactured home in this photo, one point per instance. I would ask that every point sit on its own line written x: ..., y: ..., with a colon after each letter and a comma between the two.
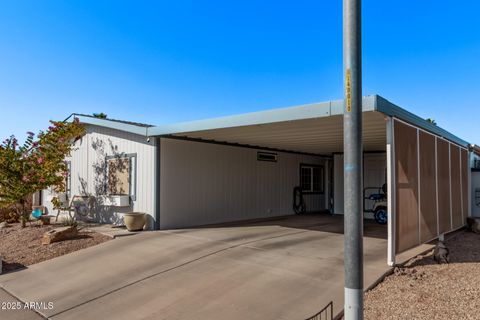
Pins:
x: 252, y: 166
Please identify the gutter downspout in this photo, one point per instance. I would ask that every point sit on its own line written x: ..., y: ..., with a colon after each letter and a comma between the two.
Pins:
x: 156, y: 187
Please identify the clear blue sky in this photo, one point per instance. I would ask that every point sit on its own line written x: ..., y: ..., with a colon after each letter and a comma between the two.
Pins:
x: 166, y: 61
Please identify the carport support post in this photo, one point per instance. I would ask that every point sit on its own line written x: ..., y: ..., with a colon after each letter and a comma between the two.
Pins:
x: 390, y: 193
x: 352, y: 120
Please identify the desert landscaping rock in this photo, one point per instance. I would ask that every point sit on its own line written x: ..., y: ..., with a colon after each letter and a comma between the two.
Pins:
x: 23, y: 247
x: 3, y: 225
x: 59, y: 234
x: 424, y: 289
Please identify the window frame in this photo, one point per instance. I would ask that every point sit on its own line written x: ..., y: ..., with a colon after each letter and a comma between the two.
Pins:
x: 132, y: 173
x: 321, y: 177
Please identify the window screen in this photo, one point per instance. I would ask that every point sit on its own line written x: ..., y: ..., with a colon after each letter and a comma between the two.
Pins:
x: 306, y: 179
x: 121, y: 175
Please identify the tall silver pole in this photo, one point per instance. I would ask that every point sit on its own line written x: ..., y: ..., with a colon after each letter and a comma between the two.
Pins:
x: 352, y: 123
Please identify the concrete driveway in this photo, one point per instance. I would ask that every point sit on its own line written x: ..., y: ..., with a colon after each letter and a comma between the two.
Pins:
x: 287, y: 268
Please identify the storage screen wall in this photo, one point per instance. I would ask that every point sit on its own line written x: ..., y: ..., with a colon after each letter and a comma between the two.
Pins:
x: 431, y: 177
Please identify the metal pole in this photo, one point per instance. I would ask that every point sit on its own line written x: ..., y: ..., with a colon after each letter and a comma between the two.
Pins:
x: 352, y: 63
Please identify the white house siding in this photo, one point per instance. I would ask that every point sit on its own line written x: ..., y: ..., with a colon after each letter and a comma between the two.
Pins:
x: 374, y: 175
x: 87, y: 175
x: 204, y: 183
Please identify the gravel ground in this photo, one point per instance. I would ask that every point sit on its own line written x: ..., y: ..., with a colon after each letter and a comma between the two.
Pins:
x: 423, y: 289
x: 22, y: 247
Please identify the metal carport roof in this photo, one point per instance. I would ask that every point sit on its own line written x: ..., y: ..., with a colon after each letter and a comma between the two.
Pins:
x: 314, y: 128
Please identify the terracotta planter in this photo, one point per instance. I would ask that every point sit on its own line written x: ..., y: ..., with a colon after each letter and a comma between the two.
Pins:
x: 134, y: 221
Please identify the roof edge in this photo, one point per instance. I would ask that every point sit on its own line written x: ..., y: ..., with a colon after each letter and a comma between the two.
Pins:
x: 112, y: 124
x: 475, y: 149
x: 306, y: 111
x: 390, y: 109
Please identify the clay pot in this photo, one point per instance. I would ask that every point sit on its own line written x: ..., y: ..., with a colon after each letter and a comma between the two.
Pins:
x: 134, y: 221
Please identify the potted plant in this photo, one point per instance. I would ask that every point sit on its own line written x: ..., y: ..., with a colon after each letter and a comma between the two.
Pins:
x: 134, y: 221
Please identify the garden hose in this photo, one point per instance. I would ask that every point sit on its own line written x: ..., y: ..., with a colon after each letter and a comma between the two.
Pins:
x: 299, y: 206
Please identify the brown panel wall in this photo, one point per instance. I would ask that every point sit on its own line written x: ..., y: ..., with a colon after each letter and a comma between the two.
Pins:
x: 431, y: 186
x: 443, y: 176
x: 406, y: 177
x: 457, y: 219
x: 428, y: 188
x: 465, y: 168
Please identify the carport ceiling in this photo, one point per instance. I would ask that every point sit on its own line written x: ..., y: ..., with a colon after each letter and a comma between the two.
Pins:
x: 323, y: 135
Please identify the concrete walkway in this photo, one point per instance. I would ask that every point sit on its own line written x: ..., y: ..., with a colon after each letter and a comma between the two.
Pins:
x: 12, y: 308
x: 279, y: 269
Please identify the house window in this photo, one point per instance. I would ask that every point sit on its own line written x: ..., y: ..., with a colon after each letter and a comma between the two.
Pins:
x: 476, y: 164
x: 121, y: 175
x: 311, y: 178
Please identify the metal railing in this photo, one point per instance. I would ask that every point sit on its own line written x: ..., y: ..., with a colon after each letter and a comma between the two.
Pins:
x: 325, y: 314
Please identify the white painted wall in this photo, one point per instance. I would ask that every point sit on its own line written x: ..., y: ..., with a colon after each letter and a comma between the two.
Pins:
x: 88, y: 176
x: 374, y: 175
x: 203, y: 183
